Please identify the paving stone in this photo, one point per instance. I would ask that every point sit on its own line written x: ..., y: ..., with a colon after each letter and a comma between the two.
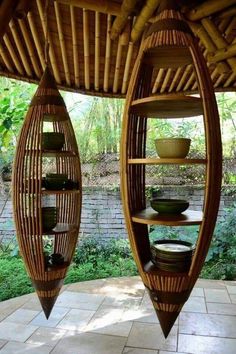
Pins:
x: 211, y: 284
x: 207, y: 325
x: 231, y: 289
x: 23, y: 348
x: 233, y: 298
x: 47, y: 336
x: 198, y: 292
x: 83, y: 301
x: 56, y: 316
x: 206, y: 345
x: 89, y: 343
x: 150, y: 336
x: 76, y: 320
x: 23, y: 316
x: 92, y: 286
x: 129, y: 350
x: 221, y: 309
x: 195, y: 304
x: 217, y: 295
x: 2, y: 343
x: 16, y: 331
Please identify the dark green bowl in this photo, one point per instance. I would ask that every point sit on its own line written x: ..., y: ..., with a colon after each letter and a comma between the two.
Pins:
x: 49, y: 218
x: 55, y: 181
x: 53, y: 141
x: 169, y: 206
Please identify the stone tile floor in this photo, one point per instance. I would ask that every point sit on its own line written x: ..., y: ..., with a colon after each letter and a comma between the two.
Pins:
x: 115, y: 316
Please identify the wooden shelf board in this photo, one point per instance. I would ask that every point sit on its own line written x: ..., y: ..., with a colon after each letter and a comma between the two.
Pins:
x: 162, y: 57
x: 60, y: 228
x: 150, y: 268
x: 159, y: 161
x: 52, y: 192
x: 54, y: 153
x: 151, y: 217
x: 173, y: 106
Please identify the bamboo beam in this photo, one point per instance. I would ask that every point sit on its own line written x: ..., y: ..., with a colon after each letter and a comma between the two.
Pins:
x: 189, y: 82
x: 127, y: 8
x: 117, y: 66
x: 141, y: 20
x: 184, y: 77
x: 103, y: 6
x: 107, y: 55
x: 75, y: 45
x: 86, y: 48
x: 158, y: 80
x: 231, y: 11
x: 127, y: 68
x: 208, y: 8
x: 218, y: 40
x: 175, y: 79
x: 30, y: 48
x: 37, y: 42
x: 62, y: 43
x: 52, y: 54
x: 166, y: 80
x: 206, y: 40
x: 5, y: 59
x: 222, y: 54
x: 7, y: 9
x: 230, y: 79
x: 22, y: 8
x: 13, y: 55
x: 97, y: 51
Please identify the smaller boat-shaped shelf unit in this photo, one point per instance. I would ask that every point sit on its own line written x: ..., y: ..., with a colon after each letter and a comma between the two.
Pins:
x: 168, y: 44
x: 51, y: 212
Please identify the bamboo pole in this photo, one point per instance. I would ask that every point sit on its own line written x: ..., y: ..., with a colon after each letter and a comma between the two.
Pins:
x: 175, y: 79
x: 37, y: 42
x: 107, y: 55
x: 20, y: 48
x: 103, y: 6
x: 52, y: 54
x: 222, y: 54
x: 75, y: 45
x: 186, y: 73
x: 62, y: 43
x: 166, y: 80
x: 97, y: 51
x: 230, y: 79
x: 208, y: 8
x: 86, y: 48
x: 219, y: 41
x: 22, y: 9
x: 13, y: 55
x: 7, y: 9
x: 30, y: 48
x: 127, y: 68
x: 6, y: 59
x: 206, y: 40
x: 158, y: 80
x: 189, y: 82
x: 141, y: 20
x: 117, y: 66
x: 231, y: 11
x: 127, y: 7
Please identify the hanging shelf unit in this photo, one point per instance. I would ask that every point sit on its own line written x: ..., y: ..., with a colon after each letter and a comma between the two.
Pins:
x: 168, y: 44
x: 47, y: 109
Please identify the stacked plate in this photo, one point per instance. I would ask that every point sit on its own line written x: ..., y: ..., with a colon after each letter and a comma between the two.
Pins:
x: 172, y: 255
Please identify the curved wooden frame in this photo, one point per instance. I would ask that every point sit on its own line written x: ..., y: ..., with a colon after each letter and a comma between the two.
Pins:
x: 47, y: 105
x: 168, y: 291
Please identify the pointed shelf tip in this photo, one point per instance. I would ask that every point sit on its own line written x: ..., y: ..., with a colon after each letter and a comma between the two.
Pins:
x: 47, y: 80
x: 47, y: 304
x: 167, y: 320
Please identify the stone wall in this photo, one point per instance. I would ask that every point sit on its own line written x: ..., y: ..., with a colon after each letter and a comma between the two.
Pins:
x: 102, y: 214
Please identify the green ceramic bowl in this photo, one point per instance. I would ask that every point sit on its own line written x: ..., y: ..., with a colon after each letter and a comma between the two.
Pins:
x: 172, y: 147
x: 55, y: 181
x: 169, y: 206
x: 53, y: 141
x: 49, y: 218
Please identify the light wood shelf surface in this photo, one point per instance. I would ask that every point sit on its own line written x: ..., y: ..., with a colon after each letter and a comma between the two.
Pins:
x: 159, y: 161
x: 162, y: 57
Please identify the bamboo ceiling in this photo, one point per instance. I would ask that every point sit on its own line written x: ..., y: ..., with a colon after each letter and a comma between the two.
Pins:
x: 93, y: 44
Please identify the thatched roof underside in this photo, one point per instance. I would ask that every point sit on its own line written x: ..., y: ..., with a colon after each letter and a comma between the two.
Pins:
x: 85, y: 59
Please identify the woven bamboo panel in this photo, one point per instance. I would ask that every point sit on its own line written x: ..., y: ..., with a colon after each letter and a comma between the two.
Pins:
x: 168, y: 290
x: 47, y: 107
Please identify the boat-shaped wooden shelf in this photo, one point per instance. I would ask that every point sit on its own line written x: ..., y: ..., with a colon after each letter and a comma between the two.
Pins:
x: 173, y: 106
x: 57, y: 192
x: 169, y: 161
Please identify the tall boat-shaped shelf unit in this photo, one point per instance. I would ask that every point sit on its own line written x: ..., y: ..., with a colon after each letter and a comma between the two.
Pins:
x: 168, y: 44
x: 47, y: 109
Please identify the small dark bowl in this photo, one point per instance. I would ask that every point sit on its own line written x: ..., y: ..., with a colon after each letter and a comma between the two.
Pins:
x: 49, y: 218
x: 169, y: 206
x: 55, y: 181
x: 53, y: 141
x: 57, y: 259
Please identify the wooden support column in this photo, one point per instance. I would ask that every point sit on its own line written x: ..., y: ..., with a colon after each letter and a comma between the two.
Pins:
x: 37, y: 42
x: 86, y: 49
x: 208, y: 8
x: 107, y: 56
x: 30, y: 48
x: 103, y: 6
x: 75, y: 45
x: 127, y: 8
x: 7, y: 9
x: 52, y: 55
x: 218, y: 40
x: 141, y: 20
x: 97, y: 51
x: 62, y: 43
